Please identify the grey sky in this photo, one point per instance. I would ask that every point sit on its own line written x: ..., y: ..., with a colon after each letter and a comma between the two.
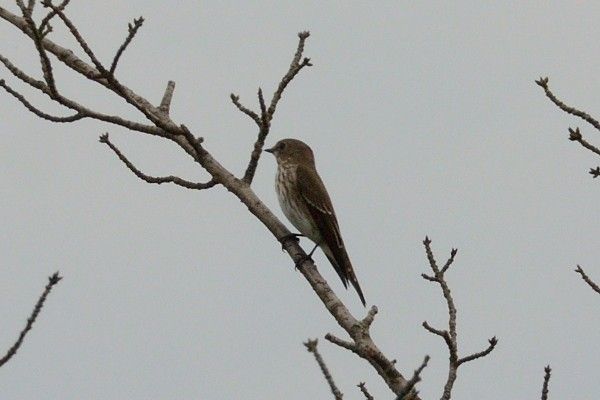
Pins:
x: 425, y: 120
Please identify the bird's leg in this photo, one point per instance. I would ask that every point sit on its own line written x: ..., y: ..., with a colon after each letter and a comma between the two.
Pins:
x: 293, y: 236
x: 307, y: 257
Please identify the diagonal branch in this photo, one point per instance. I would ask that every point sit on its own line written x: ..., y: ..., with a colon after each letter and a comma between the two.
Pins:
x: 574, y: 134
x: 408, y: 392
x: 52, y: 281
x: 587, y: 279
x: 163, y: 126
x: 151, y: 179
x: 45, y: 27
x: 264, y: 121
x: 311, y: 346
x: 492, y: 344
x: 37, y: 111
x: 235, y: 99
x: 543, y: 83
x: 132, y: 29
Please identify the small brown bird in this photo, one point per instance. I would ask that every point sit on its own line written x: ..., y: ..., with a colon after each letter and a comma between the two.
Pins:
x: 306, y: 204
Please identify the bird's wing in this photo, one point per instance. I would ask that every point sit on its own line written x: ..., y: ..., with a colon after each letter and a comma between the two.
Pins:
x: 321, y: 210
x: 319, y: 205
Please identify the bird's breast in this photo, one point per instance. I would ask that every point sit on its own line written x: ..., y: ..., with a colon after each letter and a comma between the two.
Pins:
x: 293, y: 204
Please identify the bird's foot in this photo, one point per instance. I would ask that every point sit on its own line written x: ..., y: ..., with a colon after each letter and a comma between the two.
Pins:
x: 293, y: 236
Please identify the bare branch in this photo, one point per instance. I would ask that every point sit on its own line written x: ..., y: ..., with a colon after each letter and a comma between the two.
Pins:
x: 295, y: 67
x: 449, y: 335
x: 37, y: 111
x: 363, y: 389
x: 75, y: 32
x: 450, y: 260
x: 576, y: 136
x: 263, y: 107
x: 37, y: 38
x: 52, y: 280
x: 547, y: 372
x: 236, y: 101
x: 151, y: 179
x: 264, y: 122
x: 492, y: 344
x: 132, y: 29
x: 45, y: 27
x: 80, y: 109
x: 587, y: 279
x: 342, y: 343
x: 165, y: 127
x: 311, y: 346
x: 165, y: 103
x: 543, y: 83
x: 408, y: 392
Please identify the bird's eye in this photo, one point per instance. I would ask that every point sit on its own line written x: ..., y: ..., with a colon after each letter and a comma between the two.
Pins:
x: 281, y: 146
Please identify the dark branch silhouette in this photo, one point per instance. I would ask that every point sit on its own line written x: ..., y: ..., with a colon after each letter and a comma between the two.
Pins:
x: 52, y: 281
x: 574, y: 134
x: 449, y: 335
x: 311, y: 346
x: 363, y: 388
x: 151, y: 179
x: 587, y: 279
x: 547, y: 372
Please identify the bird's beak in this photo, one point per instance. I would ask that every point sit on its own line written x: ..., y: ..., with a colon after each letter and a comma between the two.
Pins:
x: 271, y: 150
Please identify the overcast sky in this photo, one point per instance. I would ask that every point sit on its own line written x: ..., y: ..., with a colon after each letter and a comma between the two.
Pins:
x: 424, y: 119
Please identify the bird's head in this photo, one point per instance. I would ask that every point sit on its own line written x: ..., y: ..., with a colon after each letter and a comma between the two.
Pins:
x: 292, y: 151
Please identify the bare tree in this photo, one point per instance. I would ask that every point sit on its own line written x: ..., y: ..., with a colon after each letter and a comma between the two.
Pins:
x: 158, y: 122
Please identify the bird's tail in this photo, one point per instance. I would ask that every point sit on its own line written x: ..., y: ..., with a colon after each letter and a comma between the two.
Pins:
x: 343, y: 267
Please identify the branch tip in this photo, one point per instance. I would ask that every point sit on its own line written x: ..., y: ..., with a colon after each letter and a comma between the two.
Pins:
x: 543, y: 82
x: 574, y: 134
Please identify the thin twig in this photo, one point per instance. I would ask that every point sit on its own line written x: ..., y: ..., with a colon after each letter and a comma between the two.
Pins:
x: 408, y: 392
x: 37, y: 111
x: 78, y: 37
x: 543, y: 83
x: 132, y: 30
x: 492, y: 344
x: 152, y: 179
x: 52, y: 280
x: 576, y: 136
x: 264, y: 121
x: 342, y: 343
x: 311, y: 346
x: 235, y: 99
x: 587, y: 279
x: 450, y: 335
x: 37, y: 38
x: 547, y: 372
x: 46, y: 21
x: 80, y: 109
x: 363, y: 388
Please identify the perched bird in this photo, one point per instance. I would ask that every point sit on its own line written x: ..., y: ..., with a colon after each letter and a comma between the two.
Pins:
x: 306, y: 204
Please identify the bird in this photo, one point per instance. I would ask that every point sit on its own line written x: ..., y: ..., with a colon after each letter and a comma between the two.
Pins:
x: 306, y: 204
